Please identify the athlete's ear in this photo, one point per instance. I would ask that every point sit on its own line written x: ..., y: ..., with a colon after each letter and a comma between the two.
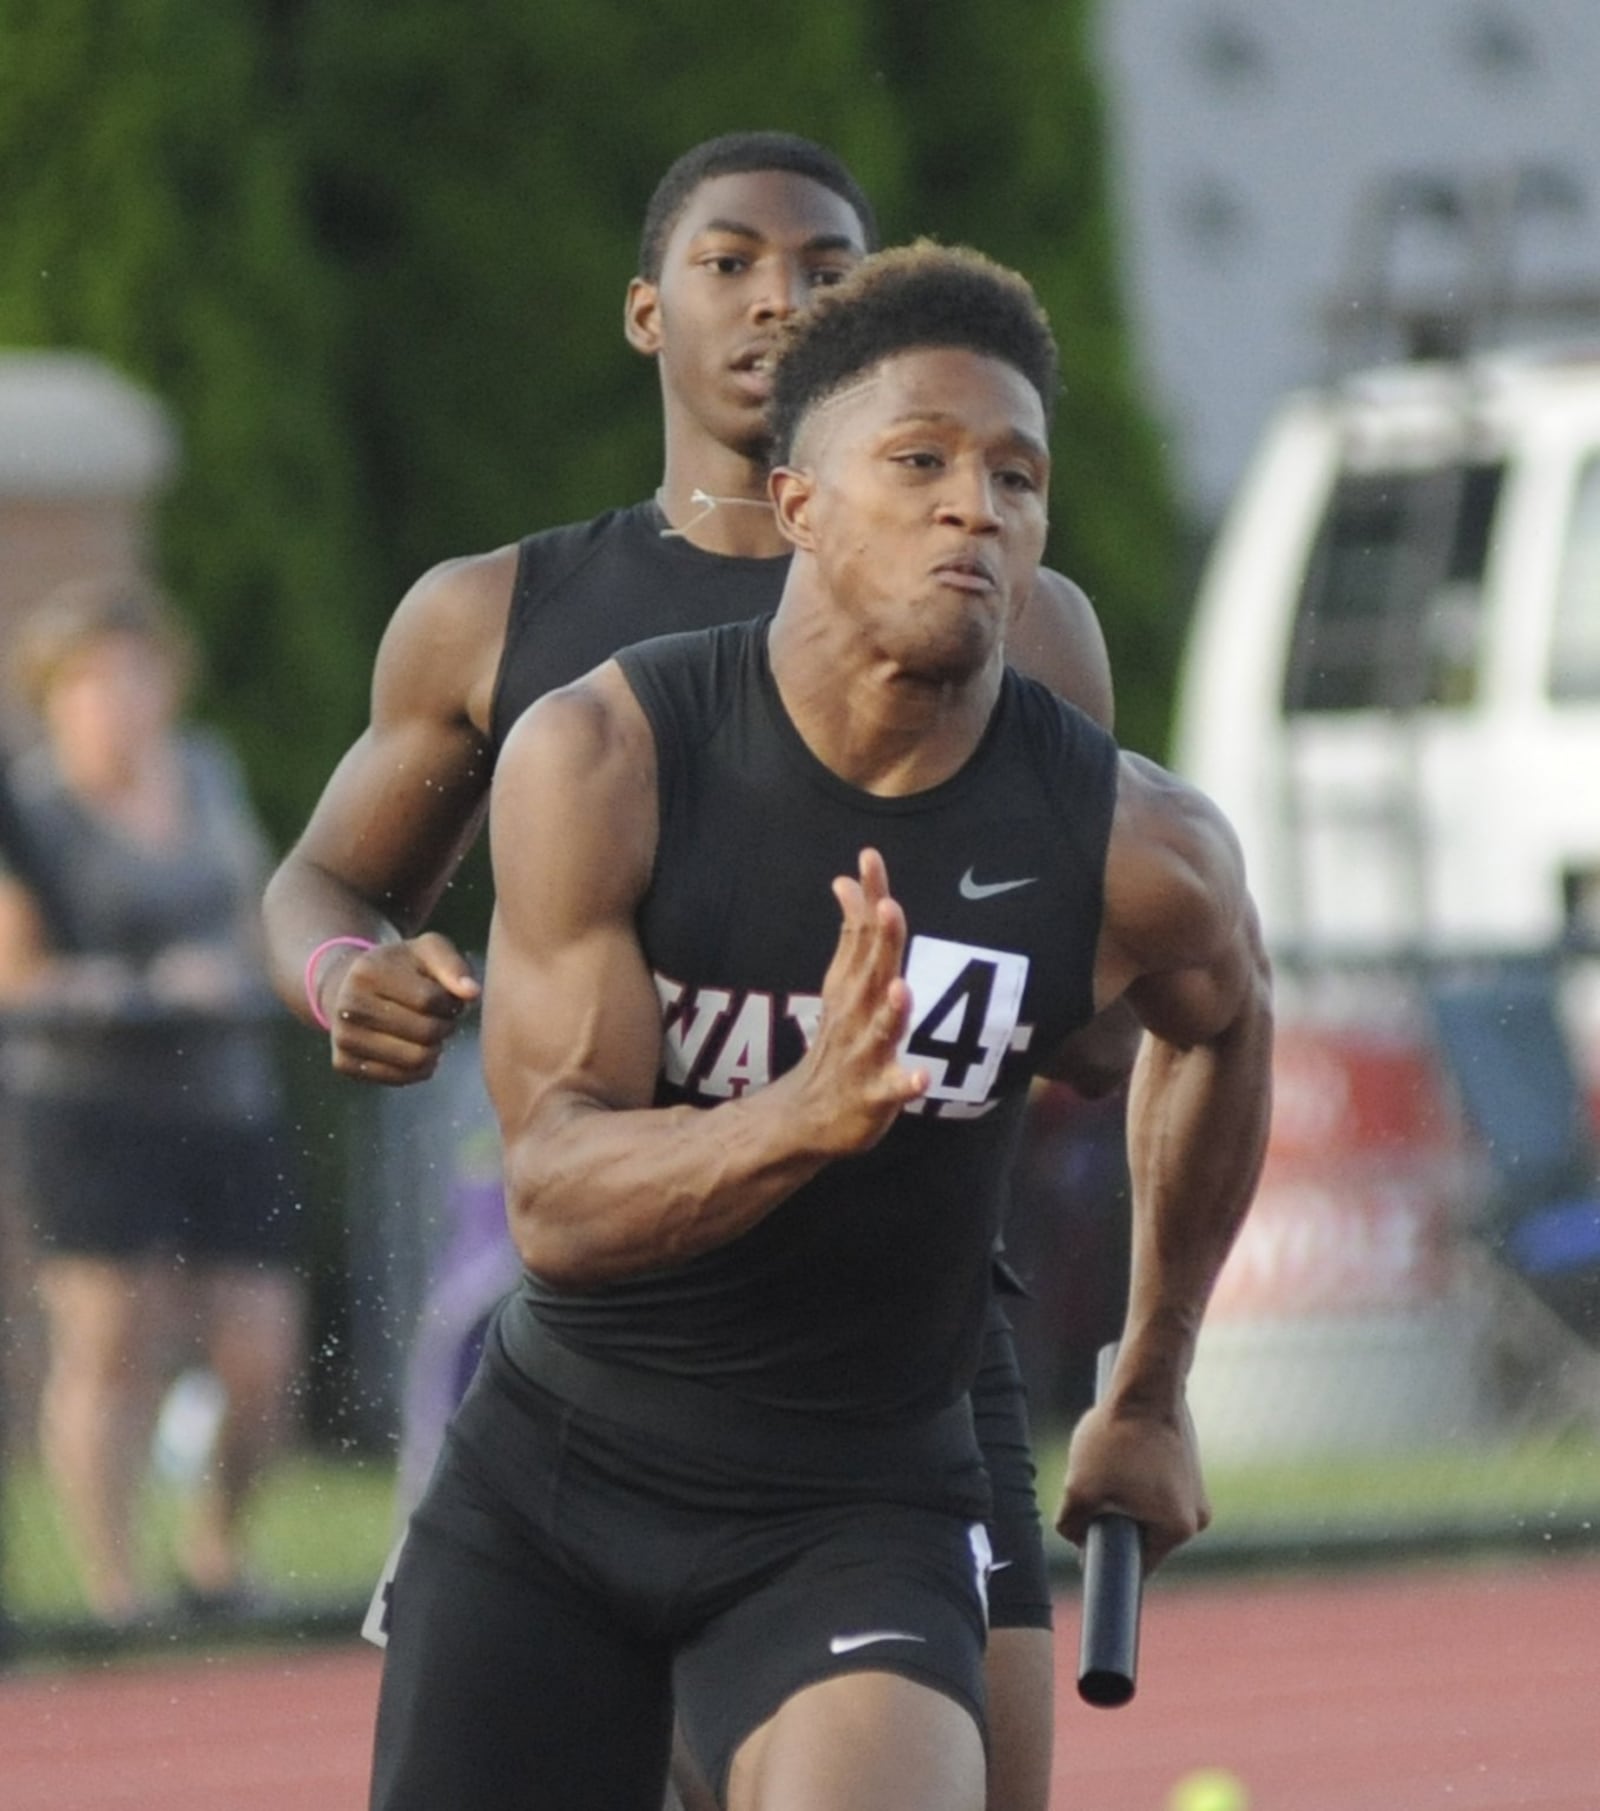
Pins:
x: 641, y: 317
x: 790, y: 489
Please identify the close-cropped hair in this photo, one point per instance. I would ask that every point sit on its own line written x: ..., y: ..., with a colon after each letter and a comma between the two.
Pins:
x: 911, y: 298
x: 82, y: 612
x: 736, y: 154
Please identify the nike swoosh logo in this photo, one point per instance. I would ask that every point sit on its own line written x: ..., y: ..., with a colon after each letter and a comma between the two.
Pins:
x: 978, y: 889
x: 847, y: 1644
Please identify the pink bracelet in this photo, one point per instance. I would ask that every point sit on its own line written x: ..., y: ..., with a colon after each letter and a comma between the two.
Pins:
x: 333, y: 943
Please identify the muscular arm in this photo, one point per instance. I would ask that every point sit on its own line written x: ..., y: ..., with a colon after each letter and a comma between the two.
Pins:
x: 391, y: 827
x: 599, y: 1183
x: 1181, y: 941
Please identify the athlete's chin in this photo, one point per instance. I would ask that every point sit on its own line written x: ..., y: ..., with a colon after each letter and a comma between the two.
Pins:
x: 742, y: 424
x: 950, y: 652
x: 751, y: 440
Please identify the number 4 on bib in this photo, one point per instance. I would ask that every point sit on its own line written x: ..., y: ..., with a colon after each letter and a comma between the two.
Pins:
x: 965, y: 1007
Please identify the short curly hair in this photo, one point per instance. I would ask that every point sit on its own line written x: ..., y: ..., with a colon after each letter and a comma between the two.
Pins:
x: 738, y: 154
x: 916, y: 296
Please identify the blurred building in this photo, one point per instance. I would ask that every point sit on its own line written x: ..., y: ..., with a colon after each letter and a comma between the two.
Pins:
x: 1247, y: 140
x: 82, y: 454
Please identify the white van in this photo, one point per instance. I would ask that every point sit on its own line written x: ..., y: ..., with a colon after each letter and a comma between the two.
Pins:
x: 1393, y: 680
x: 1392, y: 687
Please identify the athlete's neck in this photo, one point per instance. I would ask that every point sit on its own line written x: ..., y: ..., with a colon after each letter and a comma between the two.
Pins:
x: 874, y: 721
x: 723, y: 511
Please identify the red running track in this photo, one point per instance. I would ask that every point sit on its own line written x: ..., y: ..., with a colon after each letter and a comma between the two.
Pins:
x: 1443, y: 1690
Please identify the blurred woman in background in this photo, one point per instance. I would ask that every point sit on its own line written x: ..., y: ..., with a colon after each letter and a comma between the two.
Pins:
x: 137, y: 1057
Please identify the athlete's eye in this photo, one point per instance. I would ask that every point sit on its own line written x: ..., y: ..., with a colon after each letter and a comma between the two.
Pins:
x: 918, y: 460
x: 725, y: 264
x: 1016, y: 478
x: 827, y: 276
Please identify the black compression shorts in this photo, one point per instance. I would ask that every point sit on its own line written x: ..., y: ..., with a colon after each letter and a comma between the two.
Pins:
x: 1019, y: 1586
x: 568, y: 1577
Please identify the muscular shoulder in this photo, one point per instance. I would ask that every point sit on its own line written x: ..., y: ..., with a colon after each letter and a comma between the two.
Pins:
x: 1057, y: 640
x: 442, y: 648
x: 574, y: 788
x: 1175, y: 885
x: 594, y: 723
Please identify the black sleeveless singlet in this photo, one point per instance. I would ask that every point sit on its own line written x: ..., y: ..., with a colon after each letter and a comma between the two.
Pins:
x: 584, y: 590
x: 862, y: 1295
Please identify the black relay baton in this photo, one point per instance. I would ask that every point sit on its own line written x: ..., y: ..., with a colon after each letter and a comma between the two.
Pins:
x: 1113, y: 1582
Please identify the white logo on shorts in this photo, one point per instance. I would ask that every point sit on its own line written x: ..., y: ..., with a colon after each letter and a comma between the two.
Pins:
x: 847, y: 1644
x: 982, y: 1563
x: 375, y: 1628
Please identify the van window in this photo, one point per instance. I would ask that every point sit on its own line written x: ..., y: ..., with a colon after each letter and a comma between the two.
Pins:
x: 1390, y: 608
x: 1575, y: 647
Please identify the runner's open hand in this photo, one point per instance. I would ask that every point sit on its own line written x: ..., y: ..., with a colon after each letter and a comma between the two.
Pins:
x: 855, y: 1080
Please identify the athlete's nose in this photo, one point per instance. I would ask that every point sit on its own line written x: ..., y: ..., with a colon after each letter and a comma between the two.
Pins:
x: 967, y: 499
x: 785, y: 291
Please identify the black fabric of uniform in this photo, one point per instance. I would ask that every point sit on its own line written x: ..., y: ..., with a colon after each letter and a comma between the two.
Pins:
x: 1020, y: 1596
x: 864, y: 1293
x: 560, y: 1563
x: 587, y: 589
x: 582, y: 592
x: 570, y: 1574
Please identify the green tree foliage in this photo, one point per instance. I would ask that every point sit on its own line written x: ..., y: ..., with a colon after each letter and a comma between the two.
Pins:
x: 373, y: 254
x: 153, y: 216
x: 485, y: 200
x: 480, y: 176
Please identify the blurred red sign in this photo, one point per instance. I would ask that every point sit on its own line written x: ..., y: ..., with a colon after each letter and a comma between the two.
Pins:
x: 1341, y: 1092
x: 1353, y: 1211
x: 1335, y: 1247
